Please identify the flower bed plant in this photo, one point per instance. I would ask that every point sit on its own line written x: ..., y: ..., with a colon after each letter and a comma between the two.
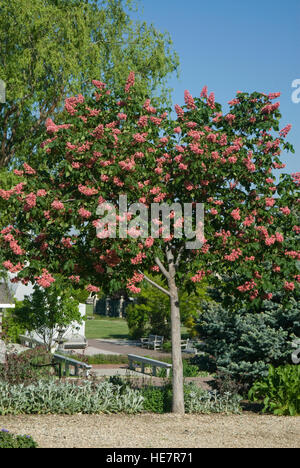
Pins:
x: 8, y: 440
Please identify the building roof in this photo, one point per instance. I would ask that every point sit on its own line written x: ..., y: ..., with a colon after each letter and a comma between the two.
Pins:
x: 5, y: 298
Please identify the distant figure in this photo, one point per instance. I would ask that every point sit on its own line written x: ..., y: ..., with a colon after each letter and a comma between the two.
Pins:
x: 2, y: 92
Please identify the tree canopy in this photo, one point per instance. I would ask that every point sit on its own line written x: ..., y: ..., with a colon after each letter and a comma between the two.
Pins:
x: 50, y: 49
x: 113, y: 145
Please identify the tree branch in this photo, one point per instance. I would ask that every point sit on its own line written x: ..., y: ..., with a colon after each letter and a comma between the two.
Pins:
x: 155, y: 284
x: 162, y: 268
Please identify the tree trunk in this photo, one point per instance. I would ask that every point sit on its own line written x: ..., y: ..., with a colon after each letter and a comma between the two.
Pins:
x: 178, y: 395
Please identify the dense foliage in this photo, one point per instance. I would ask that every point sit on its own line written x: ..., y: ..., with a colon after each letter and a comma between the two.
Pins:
x: 150, y: 313
x: 279, y: 391
x: 242, y: 343
x: 8, y: 440
x: 28, y: 367
x: 51, y: 48
x: 47, y: 309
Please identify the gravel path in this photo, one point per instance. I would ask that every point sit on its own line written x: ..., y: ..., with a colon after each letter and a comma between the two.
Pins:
x: 158, y: 431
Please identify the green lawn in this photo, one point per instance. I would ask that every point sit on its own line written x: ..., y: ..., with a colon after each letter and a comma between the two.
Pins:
x: 109, y: 328
x: 106, y: 328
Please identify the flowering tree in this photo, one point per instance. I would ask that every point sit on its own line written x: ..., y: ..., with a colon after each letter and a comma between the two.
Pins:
x: 109, y: 147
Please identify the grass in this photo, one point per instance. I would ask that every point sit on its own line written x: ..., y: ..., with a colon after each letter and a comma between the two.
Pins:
x: 107, y: 328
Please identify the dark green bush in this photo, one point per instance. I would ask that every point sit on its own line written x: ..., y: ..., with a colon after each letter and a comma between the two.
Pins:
x: 27, y: 367
x: 157, y: 399
x: 242, y: 343
x: 8, y: 440
x: 280, y: 391
x: 196, y: 400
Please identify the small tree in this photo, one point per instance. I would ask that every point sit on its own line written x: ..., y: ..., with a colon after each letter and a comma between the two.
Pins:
x: 115, y: 145
x: 46, y: 310
x: 151, y: 312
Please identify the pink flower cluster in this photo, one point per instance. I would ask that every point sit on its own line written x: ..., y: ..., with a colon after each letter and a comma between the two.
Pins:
x: 85, y: 214
x: 189, y: 101
x: 92, y: 288
x: 130, y: 82
x: 235, y: 254
x: 28, y: 169
x: 88, y: 191
x: 53, y: 128
x: 236, y: 214
x: 13, y: 268
x: 138, y: 259
x: 57, y: 205
x: 247, y: 286
x: 131, y: 283
x: 284, y: 131
x: 289, y: 286
x: 71, y: 103
x: 198, y: 277
x: 45, y: 280
x: 296, y: 177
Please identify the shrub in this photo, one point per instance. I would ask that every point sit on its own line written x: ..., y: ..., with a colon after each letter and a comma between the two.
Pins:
x: 68, y: 398
x: 12, y: 329
x: 189, y: 370
x: 206, y: 402
x: 27, y: 367
x: 280, y: 391
x: 157, y: 399
x: 8, y: 440
x: 197, y: 400
x: 243, y: 343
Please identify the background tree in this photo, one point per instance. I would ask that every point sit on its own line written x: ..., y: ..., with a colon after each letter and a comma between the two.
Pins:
x: 46, y: 310
x: 241, y: 344
x: 151, y: 312
x: 110, y: 145
x: 49, y: 49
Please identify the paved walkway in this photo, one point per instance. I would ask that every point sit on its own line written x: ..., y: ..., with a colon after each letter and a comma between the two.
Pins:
x: 123, y: 347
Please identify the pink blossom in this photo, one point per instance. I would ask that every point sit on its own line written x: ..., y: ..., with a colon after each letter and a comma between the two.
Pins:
x: 45, y: 280
x: 285, y: 210
x: 179, y: 111
x: 88, y: 191
x: 289, y: 286
x: 211, y: 101
x: 270, y: 202
x: 198, y: 277
x: 84, y: 213
x: 130, y: 81
x: 28, y: 169
x: 204, y: 92
x: 189, y: 101
x: 57, y: 205
x: 92, y: 288
x: 99, y: 84
x: 236, y: 214
x: 41, y: 193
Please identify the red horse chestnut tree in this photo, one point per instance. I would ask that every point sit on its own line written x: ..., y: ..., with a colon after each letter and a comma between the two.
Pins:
x: 115, y: 155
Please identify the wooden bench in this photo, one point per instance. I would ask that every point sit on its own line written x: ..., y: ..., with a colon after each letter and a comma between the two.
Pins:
x: 153, y: 363
x: 153, y: 342
x: 67, y: 362
x: 188, y: 346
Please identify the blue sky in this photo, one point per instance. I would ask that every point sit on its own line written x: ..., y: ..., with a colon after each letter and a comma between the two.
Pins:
x: 232, y: 45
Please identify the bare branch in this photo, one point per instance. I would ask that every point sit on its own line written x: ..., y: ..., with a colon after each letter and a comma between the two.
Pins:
x: 162, y: 268
x: 155, y: 284
x: 179, y: 256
